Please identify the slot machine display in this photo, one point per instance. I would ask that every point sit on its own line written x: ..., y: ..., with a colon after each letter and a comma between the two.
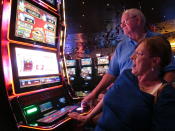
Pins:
x: 72, y: 70
x: 102, y: 66
x: 86, y: 74
x: 31, y: 75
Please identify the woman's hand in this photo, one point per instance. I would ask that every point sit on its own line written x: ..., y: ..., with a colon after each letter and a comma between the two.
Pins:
x: 82, y: 119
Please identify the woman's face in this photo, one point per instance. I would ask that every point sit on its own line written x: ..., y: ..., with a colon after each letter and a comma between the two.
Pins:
x: 142, y: 62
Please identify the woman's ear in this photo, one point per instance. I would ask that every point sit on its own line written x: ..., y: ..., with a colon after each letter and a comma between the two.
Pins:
x: 156, y: 61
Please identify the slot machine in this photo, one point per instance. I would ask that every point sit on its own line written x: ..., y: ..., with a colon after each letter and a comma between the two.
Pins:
x: 102, y: 67
x: 86, y: 74
x: 72, y: 71
x: 34, y: 96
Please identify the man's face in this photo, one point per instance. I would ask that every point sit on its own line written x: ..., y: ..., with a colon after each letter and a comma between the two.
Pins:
x: 128, y: 23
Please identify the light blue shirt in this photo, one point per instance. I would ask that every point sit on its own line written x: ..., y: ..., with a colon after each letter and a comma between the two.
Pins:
x: 121, y: 57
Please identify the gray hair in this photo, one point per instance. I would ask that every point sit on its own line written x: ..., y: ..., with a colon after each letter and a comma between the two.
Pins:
x: 137, y: 12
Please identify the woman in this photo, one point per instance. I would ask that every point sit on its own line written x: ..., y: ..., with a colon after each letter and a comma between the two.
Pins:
x: 140, y: 99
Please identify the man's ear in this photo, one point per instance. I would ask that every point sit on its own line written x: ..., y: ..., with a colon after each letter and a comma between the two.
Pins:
x: 139, y: 20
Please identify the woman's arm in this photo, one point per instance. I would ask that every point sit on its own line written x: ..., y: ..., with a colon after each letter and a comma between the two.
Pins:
x: 86, y: 118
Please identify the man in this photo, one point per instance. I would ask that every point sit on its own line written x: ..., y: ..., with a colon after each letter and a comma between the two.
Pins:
x: 133, y: 24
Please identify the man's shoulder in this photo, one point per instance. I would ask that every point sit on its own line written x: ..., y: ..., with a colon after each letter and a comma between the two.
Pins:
x: 124, y: 42
x: 150, y: 34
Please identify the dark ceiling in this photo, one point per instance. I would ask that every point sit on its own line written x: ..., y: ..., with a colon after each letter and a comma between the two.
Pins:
x: 89, y: 16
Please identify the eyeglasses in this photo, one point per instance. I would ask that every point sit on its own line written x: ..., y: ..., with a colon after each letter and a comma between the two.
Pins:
x: 124, y: 22
x: 136, y: 54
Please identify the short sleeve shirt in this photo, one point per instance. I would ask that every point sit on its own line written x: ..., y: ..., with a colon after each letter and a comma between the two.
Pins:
x: 121, y: 57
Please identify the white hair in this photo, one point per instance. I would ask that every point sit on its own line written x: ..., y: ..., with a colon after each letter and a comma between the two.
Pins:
x: 137, y: 12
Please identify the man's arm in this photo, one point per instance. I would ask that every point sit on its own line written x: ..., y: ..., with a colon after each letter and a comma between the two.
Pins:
x: 103, y: 84
x: 97, y: 109
x: 169, y: 76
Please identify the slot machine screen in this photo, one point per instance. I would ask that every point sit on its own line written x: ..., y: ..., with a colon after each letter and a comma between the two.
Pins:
x: 86, y: 72
x: 70, y: 63
x: 45, y: 106
x: 33, y: 24
x: 31, y: 70
x: 102, y: 70
x: 86, y: 61
x: 103, y: 60
x: 71, y: 71
x: 52, y: 3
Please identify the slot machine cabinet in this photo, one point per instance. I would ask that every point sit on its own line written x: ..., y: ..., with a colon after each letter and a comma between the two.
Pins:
x: 7, y: 122
x: 33, y: 93
x: 86, y: 74
x: 102, y: 65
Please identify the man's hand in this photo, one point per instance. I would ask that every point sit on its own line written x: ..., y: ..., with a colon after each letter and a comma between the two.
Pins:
x: 88, y: 101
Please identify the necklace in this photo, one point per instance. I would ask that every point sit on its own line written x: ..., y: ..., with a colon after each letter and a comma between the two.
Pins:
x: 151, y: 89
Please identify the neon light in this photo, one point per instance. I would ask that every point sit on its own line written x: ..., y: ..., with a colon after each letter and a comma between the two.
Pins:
x: 31, y: 111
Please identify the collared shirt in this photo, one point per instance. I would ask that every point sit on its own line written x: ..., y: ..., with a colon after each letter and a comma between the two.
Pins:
x: 121, y: 57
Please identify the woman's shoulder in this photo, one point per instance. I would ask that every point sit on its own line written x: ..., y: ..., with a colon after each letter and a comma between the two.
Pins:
x: 169, y: 87
x: 126, y: 77
x: 168, y: 92
x: 164, y: 109
x: 127, y: 73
